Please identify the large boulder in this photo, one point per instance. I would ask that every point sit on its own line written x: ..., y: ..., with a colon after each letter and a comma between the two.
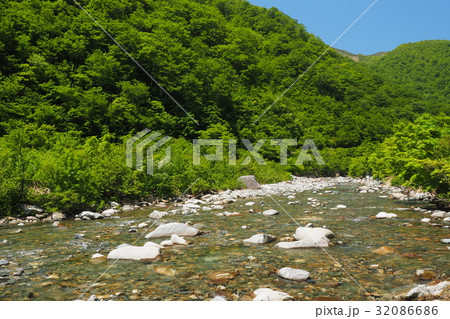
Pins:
x: 293, y: 274
x: 249, y: 181
x: 129, y: 252
x: 267, y: 294
x: 312, y: 233
x: 170, y: 229
x: 260, y: 239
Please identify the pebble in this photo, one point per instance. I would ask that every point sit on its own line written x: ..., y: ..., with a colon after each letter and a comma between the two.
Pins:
x: 293, y: 274
x: 341, y: 206
x: 270, y: 212
x: 304, y: 243
x: 249, y: 203
x: 167, y: 243
x: 4, y: 262
x: 425, y: 220
x: 142, y: 225
x: 260, y: 239
x: 383, y: 215
x: 78, y: 236
x: 19, y: 272
x: 267, y: 294
x: 219, y: 298
x: 156, y: 214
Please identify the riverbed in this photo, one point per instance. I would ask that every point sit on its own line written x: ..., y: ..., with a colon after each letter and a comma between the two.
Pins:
x: 57, y: 264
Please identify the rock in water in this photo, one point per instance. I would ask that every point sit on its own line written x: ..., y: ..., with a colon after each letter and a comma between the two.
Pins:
x: 304, y: 243
x: 314, y: 234
x: 341, y: 206
x: 178, y: 240
x: 157, y: 214
x: 427, y: 290
x: 382, y: 215
x: 147, y: 252
x: 110, y: 212
x: 270, y: 212
x: 293, y: 274
x: 170, y: 229
x: 249, y: 181
x: 218, y: 298
x: 267, y: 294
x: 260, y: 239
x: 91, y: 215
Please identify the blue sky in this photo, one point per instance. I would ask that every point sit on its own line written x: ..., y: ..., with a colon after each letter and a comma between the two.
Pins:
x: 388, y: 24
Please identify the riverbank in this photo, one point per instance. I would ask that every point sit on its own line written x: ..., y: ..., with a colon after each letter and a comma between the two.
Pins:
x: 296, y: 185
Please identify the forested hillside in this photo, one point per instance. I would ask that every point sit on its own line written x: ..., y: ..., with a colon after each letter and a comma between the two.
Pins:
x: 70, y: 97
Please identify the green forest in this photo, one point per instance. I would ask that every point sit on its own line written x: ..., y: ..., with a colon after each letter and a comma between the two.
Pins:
x: 70, y: 98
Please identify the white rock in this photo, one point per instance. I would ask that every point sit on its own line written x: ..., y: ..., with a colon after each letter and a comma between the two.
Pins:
x: 206, y: 208
x: 110, y: 212
x: 178, y: 240
x: 447, y: 219
x: 341, y: 206
x: 95, y: 256
x: 152, y: 244
x: 270, y: 212
x: 293, y: 274
x: 191, y: 206
x: 216, y: 206
x: 304, y: 243
x: 311, y: 233
x: 167, y: 243
x: 127, y: 208
x: 260, y: 239
x: 156, y: 214
x: 90, y: 215
x: 267, y: 294
x: 250, y: 204
x: 425, y: 220
x: 135, y: 253
x: 439, y: 214
x: 446, y: 241
x: 294, y: 203
x: 218, y: 298
x: 382, y: 215
x: 170, y: 229
x: 424, y: 290
x: 142, y: 225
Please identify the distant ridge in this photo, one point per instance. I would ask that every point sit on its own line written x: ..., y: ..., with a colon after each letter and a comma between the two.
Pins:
x: 360, y: 57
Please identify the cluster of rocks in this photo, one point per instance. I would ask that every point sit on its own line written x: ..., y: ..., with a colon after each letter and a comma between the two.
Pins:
x: 151, y: 250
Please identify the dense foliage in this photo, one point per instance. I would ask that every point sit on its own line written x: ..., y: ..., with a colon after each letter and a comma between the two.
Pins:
x: 70, y: 97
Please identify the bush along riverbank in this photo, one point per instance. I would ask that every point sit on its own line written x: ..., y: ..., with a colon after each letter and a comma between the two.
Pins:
x: 33, y: 214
